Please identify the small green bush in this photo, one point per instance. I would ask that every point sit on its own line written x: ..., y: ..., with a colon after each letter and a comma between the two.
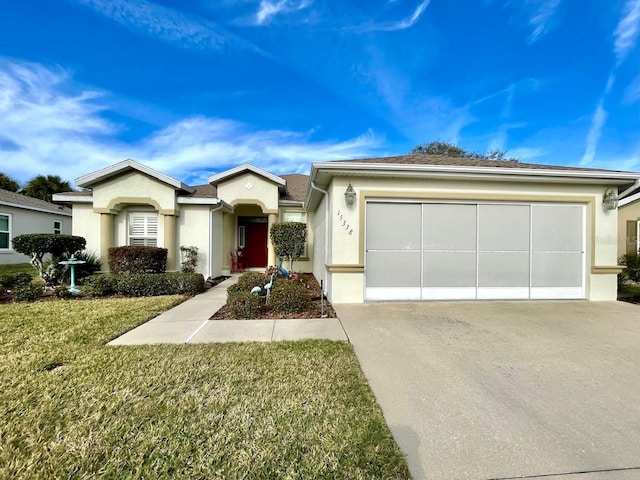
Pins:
x: 244, y: 304
x: 9, y: 281
x: 289, y: 296
x: 133, y: 260
x: 249, y: 280
x: 631, y: 261
x: 100, y: 285
x: 189, y: 259
x: 63, y: 293
x: 29, y: 292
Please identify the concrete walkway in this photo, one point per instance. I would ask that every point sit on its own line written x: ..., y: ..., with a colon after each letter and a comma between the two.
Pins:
x: 189, y: 323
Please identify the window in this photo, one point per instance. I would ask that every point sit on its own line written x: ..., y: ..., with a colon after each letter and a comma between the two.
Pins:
x: 57, y: 227
x: 294, y: 217
x: 633, y: 239
x: 143, y: 229
x: 5, y: 231
x: 241, y: 236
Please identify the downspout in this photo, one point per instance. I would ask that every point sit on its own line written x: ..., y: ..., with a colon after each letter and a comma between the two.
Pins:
x: 212, y: 211
x: 326, y: 230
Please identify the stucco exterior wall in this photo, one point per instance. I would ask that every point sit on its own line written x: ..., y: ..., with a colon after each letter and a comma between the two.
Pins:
x: 25, y: 221
x: 347, y: 224
x: 133, y: 185
x: 628, y: 212
x: 249, y: 188
x: 86, y: 224
x: 194, y: 226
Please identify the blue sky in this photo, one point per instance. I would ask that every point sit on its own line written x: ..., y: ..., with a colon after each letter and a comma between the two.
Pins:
x: 192, y: 88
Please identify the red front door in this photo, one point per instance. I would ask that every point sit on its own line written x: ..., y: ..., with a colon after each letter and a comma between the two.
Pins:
x: 254, y: 253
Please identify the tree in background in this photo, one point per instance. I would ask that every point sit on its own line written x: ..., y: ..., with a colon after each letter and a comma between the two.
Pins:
x: 8, y: 183
x: 450, y: 150
x: 44, y: 186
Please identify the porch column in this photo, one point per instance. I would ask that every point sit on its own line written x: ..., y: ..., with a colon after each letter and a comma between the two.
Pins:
x: 170, y: 241
x: 106, y: 239
x: 271, y: 254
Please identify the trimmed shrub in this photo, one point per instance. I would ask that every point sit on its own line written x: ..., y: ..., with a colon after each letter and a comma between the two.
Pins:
x: 249, y: 280
x: 29, y: 292
x: 153, y: 284
x: 289, y: 239
x: 631, y: 261
x: 63, y: 293
x: 244, y: 304
x: 9, y: 281
x: 135, y: 260
x: 289, y: 296
x: 189, y: 259
x: 100, y: 285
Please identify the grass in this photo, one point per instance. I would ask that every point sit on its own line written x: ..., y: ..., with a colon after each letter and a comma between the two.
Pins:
x: 18, y: 268
x: 71, y: 407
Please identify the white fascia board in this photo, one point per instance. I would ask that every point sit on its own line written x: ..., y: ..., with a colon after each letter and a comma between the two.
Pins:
x: 629, y: 199
x: 36, y: 209
x: 291, y: 203
x: 218, y: 177
x: 205, y: 201
x: 112, y: 170
x: 61, y: 197
x: 472, y: 171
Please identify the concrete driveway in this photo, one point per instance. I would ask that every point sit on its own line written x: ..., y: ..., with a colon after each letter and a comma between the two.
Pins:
x: 501, y: 390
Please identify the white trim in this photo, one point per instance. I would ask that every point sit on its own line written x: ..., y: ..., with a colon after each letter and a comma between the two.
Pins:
x: 112, y: 170
x: 9, y: 231
x: 35, y: 209
x: 219, y: 177
x: 557, y: 293
x: 628, y: 200
x: 203, y: 201
x: 63, y: 197
x: 503, y: 293
x: 448, y: 293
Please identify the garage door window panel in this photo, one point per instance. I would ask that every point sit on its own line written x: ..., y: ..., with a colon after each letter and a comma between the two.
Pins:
x: 449, y: 227
x: 556, y: 269
x: 503, y: 228
x: 393, y: 226
x: 556, y: 228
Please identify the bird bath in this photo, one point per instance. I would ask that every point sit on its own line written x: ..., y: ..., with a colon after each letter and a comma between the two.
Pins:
x: 72, y: 262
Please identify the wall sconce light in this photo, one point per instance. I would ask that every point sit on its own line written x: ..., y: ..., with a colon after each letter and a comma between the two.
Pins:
x: 350, y: 196
x: 610, y: 199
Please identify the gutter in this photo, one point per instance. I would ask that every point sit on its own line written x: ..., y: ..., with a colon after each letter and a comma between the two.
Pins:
x: 222, y: 205
x: 326, y: 229
x: 629, y: 190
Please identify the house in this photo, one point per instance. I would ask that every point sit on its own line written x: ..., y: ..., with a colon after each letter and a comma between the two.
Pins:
x: 20, y: 214
x: 629, y: 224
x: 411, y: 227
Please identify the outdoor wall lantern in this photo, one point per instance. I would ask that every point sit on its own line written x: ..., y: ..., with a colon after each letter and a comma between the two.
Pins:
x: 350, y: 196
x: 610, y: 199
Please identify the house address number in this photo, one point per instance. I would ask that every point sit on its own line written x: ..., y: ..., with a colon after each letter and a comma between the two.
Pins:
x: 343, y: 223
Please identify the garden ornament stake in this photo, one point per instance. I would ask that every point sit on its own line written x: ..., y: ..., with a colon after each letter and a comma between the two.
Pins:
x: 283, y: 271
x: 267, y: 287
x: 72, y: 262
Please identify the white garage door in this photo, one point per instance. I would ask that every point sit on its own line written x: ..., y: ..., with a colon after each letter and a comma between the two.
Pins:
x: 430, y: 251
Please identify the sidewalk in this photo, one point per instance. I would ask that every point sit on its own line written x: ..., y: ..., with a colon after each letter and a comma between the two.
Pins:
x: 189, y: 323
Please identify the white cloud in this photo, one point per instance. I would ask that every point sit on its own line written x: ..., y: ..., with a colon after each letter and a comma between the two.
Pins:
x: 632, y: 92
x: 593, y: 137
x: 166, y: 24
x: 526, y: 153
x: 543, y: 12
x: 403, y: 24
x: 47, y: 130
x: 269, y: 9
x: 626, y: 33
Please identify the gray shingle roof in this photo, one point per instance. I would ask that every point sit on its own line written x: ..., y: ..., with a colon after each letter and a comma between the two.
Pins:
x: 465, y: 162
x: 296, y: 187
x: 20, y: 200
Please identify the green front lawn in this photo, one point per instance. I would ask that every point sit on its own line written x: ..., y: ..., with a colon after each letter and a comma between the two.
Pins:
x: 18, y: 268
x: 71, y: 407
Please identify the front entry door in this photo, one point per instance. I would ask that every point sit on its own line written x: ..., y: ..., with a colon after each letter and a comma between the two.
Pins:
x: 254, y: 253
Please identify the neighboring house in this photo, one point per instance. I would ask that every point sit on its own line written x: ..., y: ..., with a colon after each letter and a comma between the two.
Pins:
x: 20, y: 214
x: 629, y: 224
x: 413, y: 227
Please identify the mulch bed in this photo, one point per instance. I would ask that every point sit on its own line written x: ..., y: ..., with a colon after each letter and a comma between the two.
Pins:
x: 313, y: 312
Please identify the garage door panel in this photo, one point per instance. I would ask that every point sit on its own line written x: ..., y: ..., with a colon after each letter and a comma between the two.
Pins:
x: 503, y: 269
x: 393, y: 226
x: 556, y: 269
x: 503, y: 227
x: 556, y: 228
x: 393, y: 269
x: 449, y: 269
x: 449, y: 227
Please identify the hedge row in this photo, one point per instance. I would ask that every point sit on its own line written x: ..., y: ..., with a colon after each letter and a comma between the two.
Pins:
x: 144, y: 284
x: 132, y: 260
